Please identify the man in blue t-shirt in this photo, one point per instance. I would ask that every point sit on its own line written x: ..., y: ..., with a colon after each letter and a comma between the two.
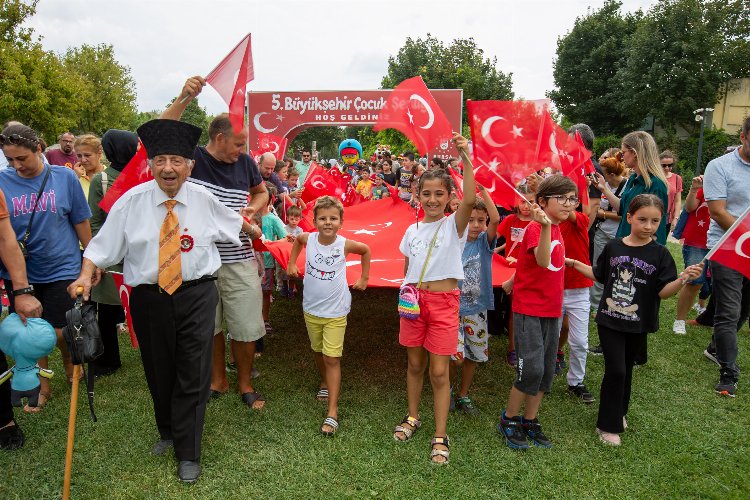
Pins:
x: 232, y: 176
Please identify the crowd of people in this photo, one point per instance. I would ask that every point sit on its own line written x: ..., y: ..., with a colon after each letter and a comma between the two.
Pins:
x: 184, y: 243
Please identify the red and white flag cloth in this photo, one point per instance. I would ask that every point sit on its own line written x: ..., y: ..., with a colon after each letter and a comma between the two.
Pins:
x: 380, y: 224
x: 135, y: 172
x: 733, y: 249
x: 413, y: 111
x: 123, y: 291
x: 231, y: 76
x: 269, y: 143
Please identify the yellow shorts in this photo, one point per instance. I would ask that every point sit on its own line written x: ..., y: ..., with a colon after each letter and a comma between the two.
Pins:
x: 326, y: 334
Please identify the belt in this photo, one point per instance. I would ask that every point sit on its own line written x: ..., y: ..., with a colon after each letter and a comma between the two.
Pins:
x: 185, y: 284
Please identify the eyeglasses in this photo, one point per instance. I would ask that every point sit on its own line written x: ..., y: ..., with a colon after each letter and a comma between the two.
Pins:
x: 666, y: 165
x: 17, y: 140
x: 564, y: 200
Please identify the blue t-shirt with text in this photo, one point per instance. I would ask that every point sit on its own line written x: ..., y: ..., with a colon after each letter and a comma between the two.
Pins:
x: 54, y: 251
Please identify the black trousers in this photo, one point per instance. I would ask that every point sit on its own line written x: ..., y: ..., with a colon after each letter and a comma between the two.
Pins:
x: 175, y: 333
x: 108, y: 317
x: 620, y: 351
x: 6, y: 409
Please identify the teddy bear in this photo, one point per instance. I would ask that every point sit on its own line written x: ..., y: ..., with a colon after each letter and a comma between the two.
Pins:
x: 25, y: 344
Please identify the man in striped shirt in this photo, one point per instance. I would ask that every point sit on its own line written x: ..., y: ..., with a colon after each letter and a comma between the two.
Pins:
x: 231, y: 175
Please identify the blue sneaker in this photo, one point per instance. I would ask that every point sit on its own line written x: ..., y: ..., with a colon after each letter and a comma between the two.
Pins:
x: 534, y: 432
x: 512, y: 430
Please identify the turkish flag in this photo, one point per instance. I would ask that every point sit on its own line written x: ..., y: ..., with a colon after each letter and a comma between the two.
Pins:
x: 588, y: 165
x: 458, y: 180
x: 230, y: 77
x: 560, y: 151
x: 123, y: 291
x: 380, y: 224
x: 733, y: 249
x: 412, y: 110
x: 269, y: 143
x: 135, y: 172
x: 321, y: 182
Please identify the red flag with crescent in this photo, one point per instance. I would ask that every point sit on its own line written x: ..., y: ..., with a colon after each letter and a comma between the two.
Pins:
x: 413, y: 111
x: 269, y: 143
x: 135, y: 172
x: 733, y: 249
x: 230, y: 77
x: 123, y: 291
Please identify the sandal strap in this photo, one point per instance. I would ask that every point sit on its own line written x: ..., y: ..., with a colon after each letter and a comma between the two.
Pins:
x: 405, y: 430
x: 414, y: 422
x: 331, y: 422
x: 441, y: 440
x: 443, y: 453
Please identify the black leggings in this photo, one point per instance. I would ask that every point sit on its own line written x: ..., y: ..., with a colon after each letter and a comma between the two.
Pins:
x: 6, y: 409
x: 620, y: 351
x: 108, y: 317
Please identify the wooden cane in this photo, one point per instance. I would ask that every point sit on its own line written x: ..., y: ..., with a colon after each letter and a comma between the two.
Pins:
x: 71, y: 424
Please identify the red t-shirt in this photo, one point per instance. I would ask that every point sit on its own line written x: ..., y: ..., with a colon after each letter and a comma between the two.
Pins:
x: 696, y: 227
x: 512, y: 229
x: 576, y: 238
x: 57, y: 157
x: 538, y: 291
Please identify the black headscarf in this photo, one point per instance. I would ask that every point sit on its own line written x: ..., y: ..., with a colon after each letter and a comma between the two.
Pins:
x: 119, y: 147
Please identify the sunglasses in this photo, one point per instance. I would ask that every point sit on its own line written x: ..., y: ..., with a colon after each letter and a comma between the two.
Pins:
x: 17, y: 140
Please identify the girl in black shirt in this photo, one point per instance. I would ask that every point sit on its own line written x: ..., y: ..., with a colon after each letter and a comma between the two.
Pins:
x: 637, y: 273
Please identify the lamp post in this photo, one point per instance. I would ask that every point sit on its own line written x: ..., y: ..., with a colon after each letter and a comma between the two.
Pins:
x: 700, y: 116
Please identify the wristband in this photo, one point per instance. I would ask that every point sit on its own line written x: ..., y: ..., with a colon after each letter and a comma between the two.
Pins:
x: 29, y: 290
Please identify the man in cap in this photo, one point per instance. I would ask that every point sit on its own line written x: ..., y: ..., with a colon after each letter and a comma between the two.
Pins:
x: 165, y: 231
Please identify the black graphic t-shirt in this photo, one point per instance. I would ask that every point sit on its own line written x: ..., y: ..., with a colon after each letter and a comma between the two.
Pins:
x: 632, y: 278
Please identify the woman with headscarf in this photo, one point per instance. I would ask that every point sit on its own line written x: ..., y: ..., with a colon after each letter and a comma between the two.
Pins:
x: 119, y: 147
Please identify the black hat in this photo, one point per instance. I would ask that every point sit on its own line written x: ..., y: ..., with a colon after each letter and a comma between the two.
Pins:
x: 169, y: 137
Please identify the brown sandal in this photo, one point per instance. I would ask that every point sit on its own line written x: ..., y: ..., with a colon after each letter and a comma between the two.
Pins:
x: 436, y: 452
x: 415, y: 424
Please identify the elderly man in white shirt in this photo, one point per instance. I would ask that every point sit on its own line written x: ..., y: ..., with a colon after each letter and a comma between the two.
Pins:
x: 166, y: 231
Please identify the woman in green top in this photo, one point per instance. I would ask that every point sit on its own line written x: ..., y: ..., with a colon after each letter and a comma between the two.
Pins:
x: 639, y: 153
x: 119, y: 147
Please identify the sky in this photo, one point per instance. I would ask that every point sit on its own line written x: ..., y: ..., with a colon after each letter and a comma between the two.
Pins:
x: 307, y: 45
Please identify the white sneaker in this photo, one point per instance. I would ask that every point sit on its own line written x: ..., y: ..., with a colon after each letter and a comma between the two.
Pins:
x: 679, y: 327
x: 697, y: 308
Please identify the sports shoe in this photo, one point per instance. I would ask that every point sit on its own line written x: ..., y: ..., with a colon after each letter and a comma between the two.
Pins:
x: 560, y: 364
x: 596, y: 350
x: 467, y: 406
x: 581, y: 392
x: 678, y: 327
x: 726, y: 386
x: 231, y: 367
x: 710, y: 354
x: 512, y: 359
x: 534, y: 432
x: 513, y: 432
x: 609, y: 438
x: 697, y: 308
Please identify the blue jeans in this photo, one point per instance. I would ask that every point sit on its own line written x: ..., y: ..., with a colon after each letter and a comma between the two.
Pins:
x: 732, y: 297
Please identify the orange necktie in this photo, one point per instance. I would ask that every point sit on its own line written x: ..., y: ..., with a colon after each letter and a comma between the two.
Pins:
x: 170, y: 266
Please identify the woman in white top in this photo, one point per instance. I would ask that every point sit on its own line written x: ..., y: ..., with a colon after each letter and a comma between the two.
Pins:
x: 432, y: 250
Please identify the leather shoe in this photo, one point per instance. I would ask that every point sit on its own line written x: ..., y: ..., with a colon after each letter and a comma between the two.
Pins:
x: 188, y: 471
x: 162, y: 446
x: 11, y: 437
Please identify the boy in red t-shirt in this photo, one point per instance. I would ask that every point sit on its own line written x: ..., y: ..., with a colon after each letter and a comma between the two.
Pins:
x: 576, y: 306
x: 693, y: 249
x: 537, y: 312
x: 512, y: 229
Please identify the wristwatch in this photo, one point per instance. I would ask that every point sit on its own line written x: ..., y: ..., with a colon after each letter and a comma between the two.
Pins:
x: 24, y: 291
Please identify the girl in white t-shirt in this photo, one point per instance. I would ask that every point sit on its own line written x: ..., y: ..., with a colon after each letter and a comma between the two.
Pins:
x: 439, y: 241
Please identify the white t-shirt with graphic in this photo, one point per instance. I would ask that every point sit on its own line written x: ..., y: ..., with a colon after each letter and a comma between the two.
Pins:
x: 326, y: 293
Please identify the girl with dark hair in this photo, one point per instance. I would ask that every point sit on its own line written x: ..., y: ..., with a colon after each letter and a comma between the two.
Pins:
x: 637, y: 273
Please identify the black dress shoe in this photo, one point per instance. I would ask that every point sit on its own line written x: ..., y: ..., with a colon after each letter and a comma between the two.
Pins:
x: 11, y: 437
x: 188, y: 471
x: 161, y: 447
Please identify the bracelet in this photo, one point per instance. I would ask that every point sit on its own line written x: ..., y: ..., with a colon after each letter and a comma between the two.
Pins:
x: 29, y: 290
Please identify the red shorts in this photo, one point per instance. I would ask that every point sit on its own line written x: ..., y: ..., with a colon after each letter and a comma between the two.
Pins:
x: 436, y: 329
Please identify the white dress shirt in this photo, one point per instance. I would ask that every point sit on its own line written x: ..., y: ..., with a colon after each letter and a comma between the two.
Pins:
x: 131, y: 232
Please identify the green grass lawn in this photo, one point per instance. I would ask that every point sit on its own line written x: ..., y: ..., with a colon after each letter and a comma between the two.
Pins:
x: 683, y: 440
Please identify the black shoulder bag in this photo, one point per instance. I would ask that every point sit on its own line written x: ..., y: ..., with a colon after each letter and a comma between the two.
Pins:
x: 84, y: 341
x: 22, y: 243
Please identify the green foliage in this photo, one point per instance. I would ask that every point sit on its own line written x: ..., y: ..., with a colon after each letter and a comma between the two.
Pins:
x: 460, y: 65
x: 107, y: 97
x: 612, y: 71
x: 680, y: 56
x: 604, y: 142
x: 13, y: 13
x: 327, y: 141
x: 584, y: 71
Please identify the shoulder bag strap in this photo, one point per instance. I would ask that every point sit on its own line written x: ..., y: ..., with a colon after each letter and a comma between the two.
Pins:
x: 429, y: 251
x: 36, y: 202
x: 104, y: 182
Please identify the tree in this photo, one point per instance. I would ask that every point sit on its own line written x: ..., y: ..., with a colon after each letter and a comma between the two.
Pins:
x: 327, y: 141
x: 460, y: 65
x: 681, y: 56
x: 13, y: 13
x: 587, y: 61
x: 107, y: 99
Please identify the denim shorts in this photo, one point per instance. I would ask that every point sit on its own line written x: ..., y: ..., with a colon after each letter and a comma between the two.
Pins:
x: 693, y: 255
